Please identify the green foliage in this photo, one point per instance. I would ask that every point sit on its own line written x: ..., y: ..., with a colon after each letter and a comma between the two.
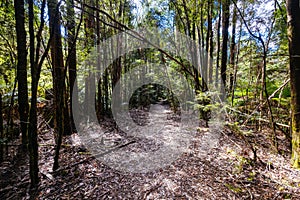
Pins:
x: 242, y: 161
x: 283, y: 101
x: 152, y: 94
x: 203, y: 102
x: 233, y: 188
x: 8, y: 47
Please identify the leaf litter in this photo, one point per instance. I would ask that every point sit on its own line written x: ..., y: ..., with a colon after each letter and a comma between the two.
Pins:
x: 225, y: 170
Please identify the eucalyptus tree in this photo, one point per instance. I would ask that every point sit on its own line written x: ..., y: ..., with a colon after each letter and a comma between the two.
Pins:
x: 22, y: 68
x: 232, y: 50
x: 293, y: 20
x: 32, y: 129
x: 71, y: 61
x: 58, y: 76
x: 225, y: 26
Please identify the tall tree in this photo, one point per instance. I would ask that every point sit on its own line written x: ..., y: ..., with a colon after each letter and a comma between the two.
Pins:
x: 225, y: 26
x: 293, y: 20
x: 232, y: 49
x: 32, y: 129
x: 58, y: 76
x: 89, y: 43
x: 71, y: 60
x: 36, y: 62
x: 22, y: 67
x: 218, y: 44
x: 211, y: 43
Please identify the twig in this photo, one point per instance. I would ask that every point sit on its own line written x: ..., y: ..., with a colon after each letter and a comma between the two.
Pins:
x: 94, y: 156
x: 239, y: 146
x: 270, y: 97
x: 251, y: 196
x: 257, y: 118
x: 117, y: 147
x: 264, y: 88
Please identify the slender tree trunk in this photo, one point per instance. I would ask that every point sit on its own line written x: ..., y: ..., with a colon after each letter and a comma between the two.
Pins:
x: 236, y: 62
x: 225, y: 26
x: 193, y: 51
x: 202, y: 24
x: 293, y: 16
x: 218, y: 47
x: 202, y: 61
x: 106, y: 92
x: 22, y: 68
x: 73, y: 88
x: 117, y: 64
x: 58, y: 76
x: 32, y: 129
x: 100, y: 103
x: 89, y: 27
x: 209, y: 30
x: 232, y: 49
x: 211, y: 49
x: 105, y: 87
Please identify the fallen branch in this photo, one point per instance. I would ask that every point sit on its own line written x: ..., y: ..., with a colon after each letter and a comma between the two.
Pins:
x: 94, y: 156
x: 116, y: 148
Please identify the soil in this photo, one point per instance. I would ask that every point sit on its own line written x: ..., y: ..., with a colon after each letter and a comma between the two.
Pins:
x: 223, y: 169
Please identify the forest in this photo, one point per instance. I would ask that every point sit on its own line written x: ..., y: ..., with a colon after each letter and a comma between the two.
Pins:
x: 150, y: 99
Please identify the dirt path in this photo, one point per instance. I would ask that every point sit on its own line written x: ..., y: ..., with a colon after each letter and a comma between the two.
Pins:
x: 220, y: 170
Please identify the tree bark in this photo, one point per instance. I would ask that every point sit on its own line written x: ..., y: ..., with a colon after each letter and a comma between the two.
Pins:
x: 232, y: 49
x: 218, y: 47
x: 72, y: 62
x: 58, y: 76
x: 89, y: 28
x: 225, y: 26
x: 100, y: 102
x: 237, y: 52
x: 32, y: 129
x: 22, y: 68
x: 293, y: 20
x: 211, y: 49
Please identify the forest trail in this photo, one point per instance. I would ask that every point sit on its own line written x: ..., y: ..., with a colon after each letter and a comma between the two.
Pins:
x: 224, y: 170
x: 65, y: 65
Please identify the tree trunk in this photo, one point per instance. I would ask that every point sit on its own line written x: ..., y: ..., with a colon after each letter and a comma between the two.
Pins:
x: 89, y: 28
x: 218, y: 47
x: 237, y: 52
x: 201, y: 64
x: 22, y: 68
x: 32, y: 129
x: 225, y: 26
x: 293, y: 16
x: 73, y: 88
x: 232, y: 49
x: 211, y: 49
x: 58, y: 76
x: 100, y: 102
x: 117, y: 65
x: 202, y: 24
